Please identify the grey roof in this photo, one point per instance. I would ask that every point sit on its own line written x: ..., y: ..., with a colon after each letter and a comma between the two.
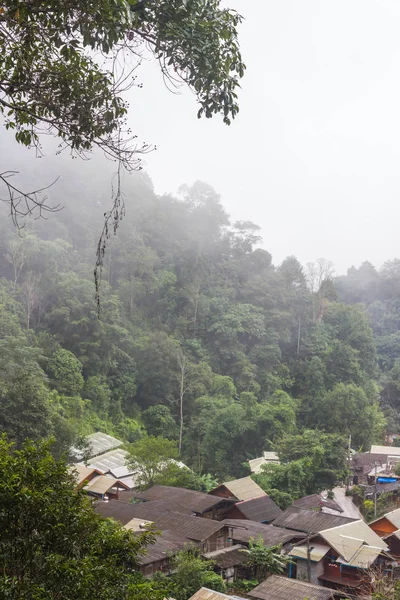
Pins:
x: 243, y: 530
x: 194, y: 528
x: 167, y: 543
x: 388, y: 450
x: 101, y: 442
x: 309, y: 520
x: 186, y: 499
x: 259, y: 509
x: 242, y: 489
x: 110, y: 461
x: 282, y: 588
x: 348, y: 539
x: 226, y: 558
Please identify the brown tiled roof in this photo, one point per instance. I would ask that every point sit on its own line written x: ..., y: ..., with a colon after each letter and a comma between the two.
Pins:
x: 316, y: 501
x: 282, y: 588
x: 167, y: 543
x: 309, y: 520
x: 189, y: 500
x: 194, y: 528
x: 243, y: 530
x: 259, y: 509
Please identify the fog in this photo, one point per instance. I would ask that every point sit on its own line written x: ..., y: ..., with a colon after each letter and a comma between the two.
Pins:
x: 313, y: 157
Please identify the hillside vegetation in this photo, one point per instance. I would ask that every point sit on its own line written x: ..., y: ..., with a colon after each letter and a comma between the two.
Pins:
x: 200, y: 337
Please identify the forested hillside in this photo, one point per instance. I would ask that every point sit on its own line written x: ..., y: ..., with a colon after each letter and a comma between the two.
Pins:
x: 195, y: 321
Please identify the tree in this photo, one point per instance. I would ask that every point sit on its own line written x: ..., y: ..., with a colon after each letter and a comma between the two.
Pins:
x: 159, y: 422
x: 53, y: 544
x: 65, y: 371
x: 52, y: 80
x: 25, y: 411
x: 154, y: 459
x: 191, y: 572
x: 265, y: 560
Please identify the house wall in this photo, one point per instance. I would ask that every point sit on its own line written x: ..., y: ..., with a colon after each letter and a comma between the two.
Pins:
x: 216, y: 541
x: 383, y: 527
x: 317, y: 568
x: 394, y: 546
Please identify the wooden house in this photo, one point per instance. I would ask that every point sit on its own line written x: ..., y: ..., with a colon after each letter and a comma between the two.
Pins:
x: 340, y: 557
x: 262, y: 509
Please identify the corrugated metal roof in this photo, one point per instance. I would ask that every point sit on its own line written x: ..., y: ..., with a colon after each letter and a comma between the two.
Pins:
x: 242, y: 489
x: 206, y: 594
x: 110, y: 460
x: 259, y: 509
x: 282, y: 588
x: 81, y: 473
x: 347, y: 539
x: 268, y: 458
x: 102, y: 484
x: 317, y: 551
x: 101, y: 442
x: 309, y: 521
x: 363, y: 558
x: 194, y: 528
x: 243, y: 530
x: 388, y: 450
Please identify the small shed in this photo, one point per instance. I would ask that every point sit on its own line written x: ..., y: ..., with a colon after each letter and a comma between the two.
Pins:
x: 105, y: 487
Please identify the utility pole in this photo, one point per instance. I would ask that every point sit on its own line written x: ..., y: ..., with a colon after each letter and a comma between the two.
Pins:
x: 308, y: 558
x: 348, y: 463
x: 375, y: 485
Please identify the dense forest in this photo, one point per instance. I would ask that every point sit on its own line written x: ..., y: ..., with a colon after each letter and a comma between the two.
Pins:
x: 201, y: 338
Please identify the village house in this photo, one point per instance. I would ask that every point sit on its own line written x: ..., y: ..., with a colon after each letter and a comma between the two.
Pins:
x: 239, y: 489
x: 243, y: 531
x: 309, y: 521
x: 251, y: 501
x: 183, y: 500
x: 262, y: 509
x: 281, y: 588
x: 362, y: 463
x: 95, y: 483
x: 205, y: 534
x: 340, y: 557
x: 230, y: 562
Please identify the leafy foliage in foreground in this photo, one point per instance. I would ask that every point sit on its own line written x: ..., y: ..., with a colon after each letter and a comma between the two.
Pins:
x: 52, y: 543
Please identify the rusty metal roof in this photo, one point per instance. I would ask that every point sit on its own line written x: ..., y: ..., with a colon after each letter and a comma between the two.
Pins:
x: 243, y: 530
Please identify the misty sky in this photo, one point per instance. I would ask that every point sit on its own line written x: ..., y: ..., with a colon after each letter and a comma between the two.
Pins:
x: 314, y: 156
